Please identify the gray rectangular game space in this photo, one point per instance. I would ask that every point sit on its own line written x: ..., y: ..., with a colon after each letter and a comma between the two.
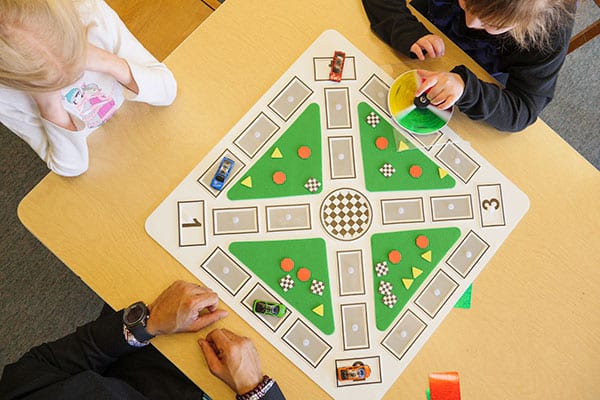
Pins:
x: 290, y: 217
x: 451, y: 208
x: 341, y: 157
x: 307, y: 343
x: 459, y: 162
x: 290, y: 99
x: 256, y: 135
x: 404, y: 334
x: 467, y: 254
x: 350, y: 272
x: 235, y: 220
x: 437, y: 292
x: 225, y: 271
x: 337, y: 104
x: 355, y: 326
x: 398, y: 211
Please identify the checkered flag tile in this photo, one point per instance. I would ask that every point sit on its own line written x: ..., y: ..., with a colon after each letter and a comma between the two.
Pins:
x: 387, y: 170
x: 373, y: 119
x: 312, y: 185
x: 381, y: 268
x: 385, y: 287
x: 390, y: 300
x: 286, y: 283
x: 317, y: 287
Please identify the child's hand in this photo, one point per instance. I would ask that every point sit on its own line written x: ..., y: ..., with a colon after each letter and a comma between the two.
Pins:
x: 430, y: 45
x: 100, y: 60
x: 445, y: 88
x: 51, y: 109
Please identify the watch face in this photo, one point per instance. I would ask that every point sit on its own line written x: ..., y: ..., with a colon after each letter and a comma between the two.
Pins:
x: 134, y: 314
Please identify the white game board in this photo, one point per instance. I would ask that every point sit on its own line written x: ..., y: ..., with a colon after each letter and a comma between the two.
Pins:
x: 468, y: 210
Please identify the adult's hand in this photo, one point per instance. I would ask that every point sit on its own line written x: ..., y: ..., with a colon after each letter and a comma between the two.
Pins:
x: 183, y: 307
x: 233, y: 359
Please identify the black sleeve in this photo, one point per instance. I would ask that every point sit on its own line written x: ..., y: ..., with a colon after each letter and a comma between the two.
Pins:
x: 393, y: 23
x: 93, y: 347
x: 274, y: 393
x: 529, y: 88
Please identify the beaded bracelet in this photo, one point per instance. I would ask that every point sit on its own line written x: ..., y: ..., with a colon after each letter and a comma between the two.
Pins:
x: 259, y: 391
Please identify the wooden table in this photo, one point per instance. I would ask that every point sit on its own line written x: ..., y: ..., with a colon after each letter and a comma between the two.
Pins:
x: 533, y: 331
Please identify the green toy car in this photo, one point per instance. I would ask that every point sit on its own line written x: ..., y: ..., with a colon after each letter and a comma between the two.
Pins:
x: 267, y: 308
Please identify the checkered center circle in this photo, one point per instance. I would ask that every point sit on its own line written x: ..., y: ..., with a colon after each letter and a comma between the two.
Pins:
x: 346, y: 214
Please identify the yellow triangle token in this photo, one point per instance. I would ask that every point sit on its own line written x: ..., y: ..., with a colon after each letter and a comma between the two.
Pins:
x: 402, y: 146
x: 442, y: 173
x: 318, y: 310
x: 407, y: 283
x: 247, y: 182
x: 426, y: 256
x: 416, y: 272
x: 276, y: 153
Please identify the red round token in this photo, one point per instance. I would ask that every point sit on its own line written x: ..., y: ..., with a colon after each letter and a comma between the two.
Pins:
x: 381, y: 143
x: 422, y: 241
x: 279, y: 178
x: 416, y: 171
x: 304, y: 152
x: 303, y: 274
x: 394, y: 256
x: 287, y: 264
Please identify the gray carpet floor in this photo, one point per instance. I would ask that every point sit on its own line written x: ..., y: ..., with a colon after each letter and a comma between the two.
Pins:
x: 41, y: 299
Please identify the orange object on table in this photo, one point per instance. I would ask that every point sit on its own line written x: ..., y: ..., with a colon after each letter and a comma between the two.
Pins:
x: 444, y: 386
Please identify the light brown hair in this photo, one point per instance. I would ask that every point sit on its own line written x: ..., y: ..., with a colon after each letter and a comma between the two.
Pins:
x: 43, y: 44
x: 532, y: 21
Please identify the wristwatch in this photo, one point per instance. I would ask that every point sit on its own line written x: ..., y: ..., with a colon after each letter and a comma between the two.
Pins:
x: 134, y: 322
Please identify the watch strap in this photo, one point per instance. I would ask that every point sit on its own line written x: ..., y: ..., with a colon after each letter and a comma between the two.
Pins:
x: 132, y: 340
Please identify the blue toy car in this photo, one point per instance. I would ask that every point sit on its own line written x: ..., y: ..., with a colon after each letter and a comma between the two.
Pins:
x: 222, y: 173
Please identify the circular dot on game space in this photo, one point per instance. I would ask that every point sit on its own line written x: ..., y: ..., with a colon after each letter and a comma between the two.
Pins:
x: 226, y: 270
x: 422, y: 241
x: 279, y: 178
x: 381, y: 143
x: 304, y: 152
x: 394, y: 256
x: 303, y: 274
x: 287, y: 264
x: 415, y: 171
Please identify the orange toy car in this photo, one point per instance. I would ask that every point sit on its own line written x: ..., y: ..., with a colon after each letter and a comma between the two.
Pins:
x: 357, y: 372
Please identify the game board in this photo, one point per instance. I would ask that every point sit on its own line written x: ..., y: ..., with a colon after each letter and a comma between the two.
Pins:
x: 367, y: 234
